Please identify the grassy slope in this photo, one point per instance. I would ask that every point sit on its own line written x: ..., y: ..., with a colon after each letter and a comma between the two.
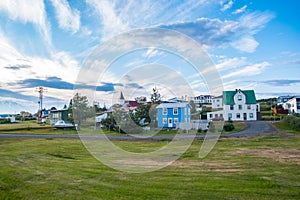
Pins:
x: 256, y: 168
x: 285, y: 127
x: 238, y: 126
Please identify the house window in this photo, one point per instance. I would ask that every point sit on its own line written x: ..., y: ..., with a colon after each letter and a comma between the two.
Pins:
x: 248, y: 107
x: 165, y: 111
x: 210, y: 115
x: 229, y: 116
x: 240, y: 97
x: 221, y: 115
x: 175, y: 120
x: 238, y: 115
x: 240, y: 107
x: 231, y: 107
x: 218, y: 100
x: 164, y: 120
x: 250, y: 115
x: 175, y: 111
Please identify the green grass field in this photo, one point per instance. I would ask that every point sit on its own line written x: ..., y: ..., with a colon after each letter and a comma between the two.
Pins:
x: 245, y: 168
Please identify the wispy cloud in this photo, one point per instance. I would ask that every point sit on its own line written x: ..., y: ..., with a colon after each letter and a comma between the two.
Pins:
x: 240, y: 10
x: 231, y: 63
x: 281, y: 82
x: 226, y: 6
x: 61, y: 64
x: 68, y: 19
x: 218, y: 33
x: 33, y: 12
x: 292, y: 62
x: 112, y: 23
x: 17, y: 67
x: 248, y: 71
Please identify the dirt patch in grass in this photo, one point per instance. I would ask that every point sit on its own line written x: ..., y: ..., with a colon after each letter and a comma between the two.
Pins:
x: 208, y: 166
x: 280, y: 155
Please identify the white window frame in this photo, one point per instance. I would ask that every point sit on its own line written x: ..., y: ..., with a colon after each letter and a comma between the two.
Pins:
x: 238, y: 115
x: 164, y: 120
x: 251, y: 115
x: 174, y: 111
x: 175, y: 120
x: 165, y: 111
x: 240, y: 97
x: 240, y: 107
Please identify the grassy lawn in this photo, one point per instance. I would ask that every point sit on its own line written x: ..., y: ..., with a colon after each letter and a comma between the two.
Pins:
x: 32, y: 127
x: 23, y: 125
x: 238, y: 126
x: 285, y: 127
x: 254, y: 168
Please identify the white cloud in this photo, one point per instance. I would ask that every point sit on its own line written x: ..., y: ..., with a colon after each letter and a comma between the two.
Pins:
x: 61, y: 65
x: 248, y: 71
x: 240, y: 10
x: 227, y: 5
x: 231, y: 63
x: 33, y: 12
x: 246, y: 44
x: 255, y: 21
x: 223, y: 33
x: 68, y: 19
x: 112, y: 23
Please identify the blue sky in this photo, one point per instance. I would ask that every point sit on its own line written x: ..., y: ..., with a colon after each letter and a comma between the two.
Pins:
x: 254, y: 45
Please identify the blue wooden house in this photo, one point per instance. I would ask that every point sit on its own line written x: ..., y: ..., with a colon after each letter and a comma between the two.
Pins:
x: 169, y: 114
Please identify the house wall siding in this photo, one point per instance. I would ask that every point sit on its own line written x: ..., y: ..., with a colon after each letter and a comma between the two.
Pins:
x: 182, y: 116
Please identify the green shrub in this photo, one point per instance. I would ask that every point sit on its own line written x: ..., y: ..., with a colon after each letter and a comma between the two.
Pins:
x: 228, y: 126
x: 4, y: 121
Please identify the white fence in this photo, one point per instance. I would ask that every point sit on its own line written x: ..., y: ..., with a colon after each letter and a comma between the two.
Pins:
x: 194, y: 124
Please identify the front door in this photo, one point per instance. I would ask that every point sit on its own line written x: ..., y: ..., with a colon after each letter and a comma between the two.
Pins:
x: 245, y: 116
x: 170, y: 122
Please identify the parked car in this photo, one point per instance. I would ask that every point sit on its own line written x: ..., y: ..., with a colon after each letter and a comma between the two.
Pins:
x: 63, y: 124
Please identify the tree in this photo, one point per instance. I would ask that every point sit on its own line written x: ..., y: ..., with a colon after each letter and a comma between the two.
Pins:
x: 80, y: 108
x: 141, y: 115
x: 155, y: 96
x: 194, y: 114
x: 141, y: 99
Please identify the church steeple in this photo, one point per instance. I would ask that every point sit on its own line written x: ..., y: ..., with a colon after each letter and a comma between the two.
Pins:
x: 122, y: 99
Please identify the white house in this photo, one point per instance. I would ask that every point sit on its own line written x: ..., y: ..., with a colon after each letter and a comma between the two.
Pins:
x: 292, y: 105
x: 283, y: 99
x: 202, y: 99
x: 217, y: 102
x: 238, y: 105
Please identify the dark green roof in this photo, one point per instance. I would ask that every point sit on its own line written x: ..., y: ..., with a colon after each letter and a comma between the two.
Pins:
x: 228, y: 97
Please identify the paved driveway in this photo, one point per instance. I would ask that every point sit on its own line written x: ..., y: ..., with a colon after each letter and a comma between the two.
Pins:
x: 255, y: 128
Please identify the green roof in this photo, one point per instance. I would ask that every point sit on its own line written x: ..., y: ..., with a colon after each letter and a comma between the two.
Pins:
x: 228, y: 97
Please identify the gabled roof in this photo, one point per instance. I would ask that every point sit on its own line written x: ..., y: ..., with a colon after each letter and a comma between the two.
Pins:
x: 132, y: 103
x: 172, y: 105
x: 228, y: 96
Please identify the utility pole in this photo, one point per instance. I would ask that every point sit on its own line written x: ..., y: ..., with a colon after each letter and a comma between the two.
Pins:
x: 41, y: 91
